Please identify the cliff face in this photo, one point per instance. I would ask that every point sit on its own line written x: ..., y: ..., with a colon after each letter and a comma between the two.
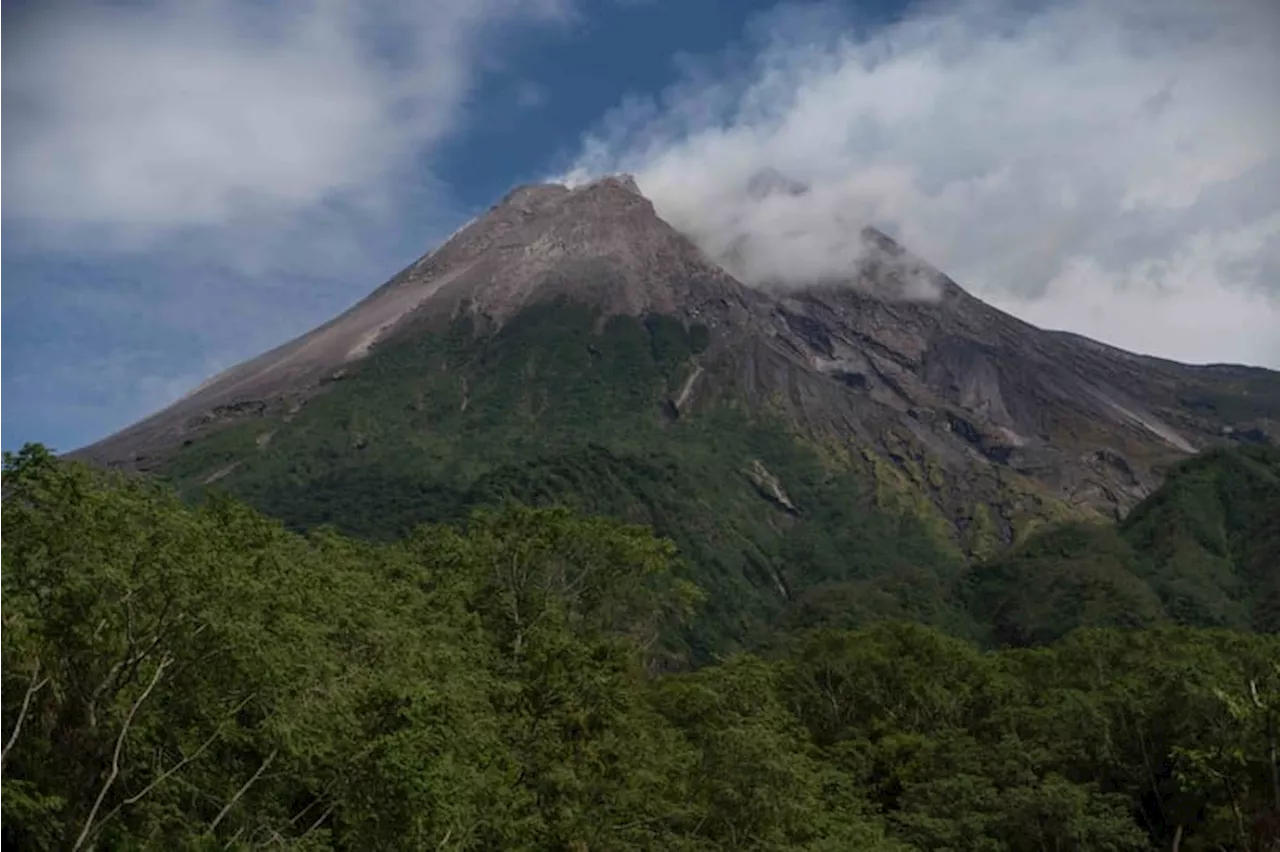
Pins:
x: 896, y: 370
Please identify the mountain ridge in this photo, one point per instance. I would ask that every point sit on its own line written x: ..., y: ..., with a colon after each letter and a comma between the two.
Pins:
x: 954, y: 400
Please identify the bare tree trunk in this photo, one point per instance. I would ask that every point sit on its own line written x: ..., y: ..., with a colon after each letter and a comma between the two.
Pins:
x: 227, y: 808
x: 37, y: 684
x: 173, y: 770
x: 1271, y: 745
x: 323, y: 816
x: 115, y: 756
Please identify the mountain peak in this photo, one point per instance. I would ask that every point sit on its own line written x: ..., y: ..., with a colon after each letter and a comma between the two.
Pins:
x: 600, y: 242
x: 622, y: 180
x: 536, y: 197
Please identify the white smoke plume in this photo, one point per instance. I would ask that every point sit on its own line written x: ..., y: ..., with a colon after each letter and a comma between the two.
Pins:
x: 1109, y: 168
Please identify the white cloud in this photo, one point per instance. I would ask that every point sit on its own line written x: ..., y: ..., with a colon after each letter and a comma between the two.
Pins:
x: 1109, y: 168
x: 143, y: 122
x: 1177, y: 303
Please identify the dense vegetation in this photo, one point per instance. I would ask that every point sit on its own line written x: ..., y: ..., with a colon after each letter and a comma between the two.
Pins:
x: 565, y: 408
x: 204, y: 678
x: 1204, y: 550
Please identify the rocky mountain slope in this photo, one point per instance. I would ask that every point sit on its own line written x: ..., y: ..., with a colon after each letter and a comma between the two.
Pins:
x: 897, y: 368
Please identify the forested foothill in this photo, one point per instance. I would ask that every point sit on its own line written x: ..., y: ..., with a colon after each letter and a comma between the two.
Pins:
x: 179, y: 677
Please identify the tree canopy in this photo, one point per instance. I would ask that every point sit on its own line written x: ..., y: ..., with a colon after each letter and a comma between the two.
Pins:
x: 201, y: 677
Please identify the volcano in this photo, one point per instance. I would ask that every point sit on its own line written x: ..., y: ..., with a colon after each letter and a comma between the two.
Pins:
x: 571, y: 346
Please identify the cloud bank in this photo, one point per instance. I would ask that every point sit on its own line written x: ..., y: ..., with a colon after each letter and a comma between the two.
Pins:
x: 1111, y: 169
x: 130, y: 125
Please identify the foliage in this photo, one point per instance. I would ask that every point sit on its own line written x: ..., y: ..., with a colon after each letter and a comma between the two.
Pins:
x: 1204, y: 550
x: 178, y: 677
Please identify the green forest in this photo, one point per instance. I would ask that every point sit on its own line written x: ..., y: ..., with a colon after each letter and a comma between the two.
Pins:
x: 180, y: 676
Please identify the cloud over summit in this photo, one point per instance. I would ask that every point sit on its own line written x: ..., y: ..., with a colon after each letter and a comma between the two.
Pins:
x: 1109, y: 168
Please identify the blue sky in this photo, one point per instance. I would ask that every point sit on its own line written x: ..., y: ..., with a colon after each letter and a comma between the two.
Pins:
x: 191, y: 183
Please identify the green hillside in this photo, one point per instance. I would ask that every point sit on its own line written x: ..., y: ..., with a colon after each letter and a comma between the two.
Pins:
x: 1204, y: 550
x: 180, y: 677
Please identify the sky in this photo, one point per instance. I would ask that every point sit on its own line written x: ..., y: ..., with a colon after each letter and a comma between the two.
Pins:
x: 190, y: 183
